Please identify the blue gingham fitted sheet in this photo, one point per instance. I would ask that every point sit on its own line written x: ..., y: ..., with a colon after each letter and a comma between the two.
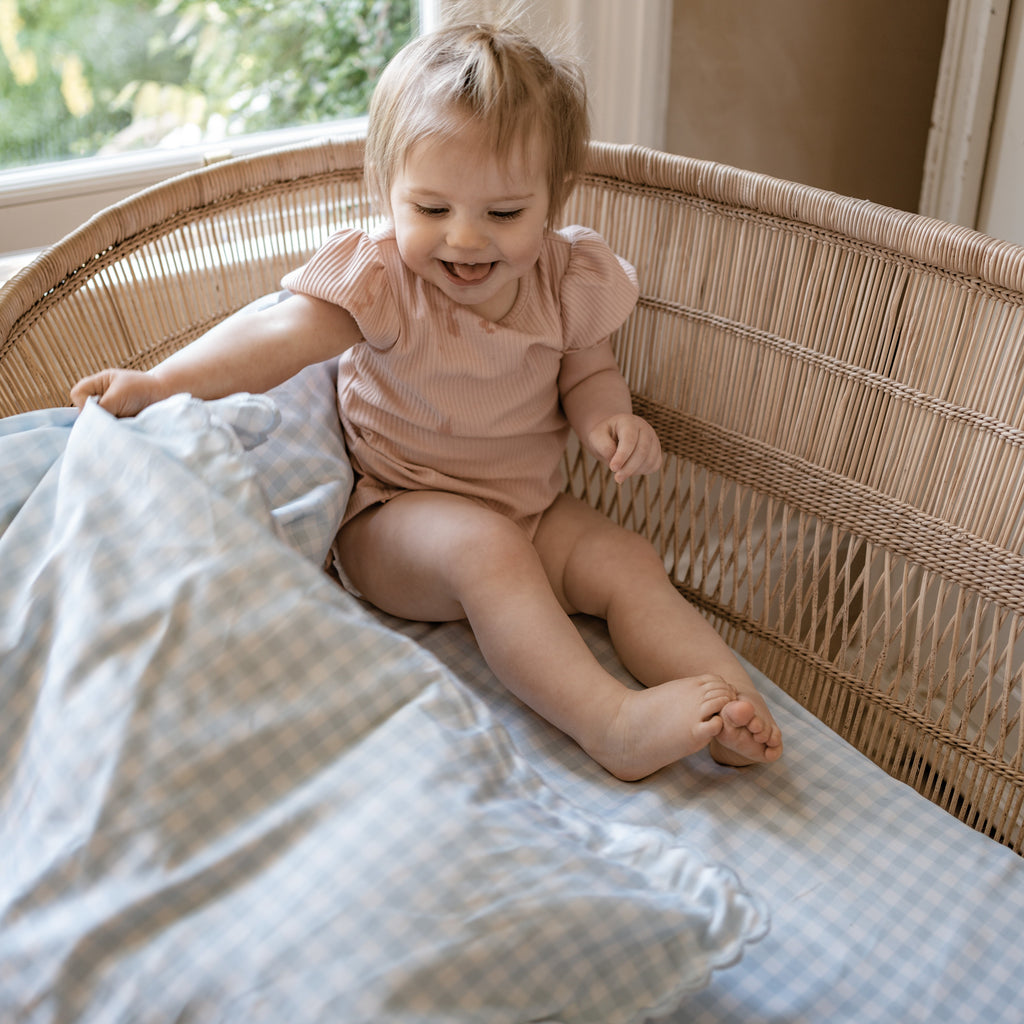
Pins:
x: 232, y: 792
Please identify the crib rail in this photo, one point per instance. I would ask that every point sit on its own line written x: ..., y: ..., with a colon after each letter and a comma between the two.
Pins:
x: 836, y: 385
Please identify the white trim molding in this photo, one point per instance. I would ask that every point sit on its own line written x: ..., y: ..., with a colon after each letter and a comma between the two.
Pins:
x: 965, y: 98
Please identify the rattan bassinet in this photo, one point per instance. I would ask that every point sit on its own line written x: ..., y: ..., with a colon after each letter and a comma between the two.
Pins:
x: 837, y: 386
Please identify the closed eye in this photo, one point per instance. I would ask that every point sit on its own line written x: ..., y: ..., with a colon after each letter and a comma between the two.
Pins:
x: 505, y: 214
x: 431, y: 211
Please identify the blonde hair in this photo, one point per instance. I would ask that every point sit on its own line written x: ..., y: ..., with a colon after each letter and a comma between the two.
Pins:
x: 496, y: 79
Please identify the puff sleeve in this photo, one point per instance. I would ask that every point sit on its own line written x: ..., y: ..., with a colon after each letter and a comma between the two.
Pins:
x: 349, y: 270
x: 598, y: 290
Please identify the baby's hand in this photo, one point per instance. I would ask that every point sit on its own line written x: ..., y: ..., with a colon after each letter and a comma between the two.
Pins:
x: 121, y: 392
x: 628, y: 444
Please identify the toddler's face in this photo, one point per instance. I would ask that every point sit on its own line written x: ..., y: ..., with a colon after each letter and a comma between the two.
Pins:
x: 468, y: 223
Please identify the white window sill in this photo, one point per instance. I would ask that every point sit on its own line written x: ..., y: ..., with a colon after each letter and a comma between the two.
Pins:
x: 41, y: 204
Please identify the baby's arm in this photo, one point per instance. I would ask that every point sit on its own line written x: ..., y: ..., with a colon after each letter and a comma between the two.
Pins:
x: 248, y: 353
x: 597, y: 403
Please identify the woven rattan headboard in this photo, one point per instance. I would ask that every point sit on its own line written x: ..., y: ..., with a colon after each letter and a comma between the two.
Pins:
x: 837, y: 385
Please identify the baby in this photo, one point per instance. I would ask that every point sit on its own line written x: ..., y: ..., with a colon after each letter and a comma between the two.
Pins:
x: 472, y: 336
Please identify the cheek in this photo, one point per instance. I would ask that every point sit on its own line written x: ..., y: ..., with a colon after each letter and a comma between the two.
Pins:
x: 527, y: 248
x: 413, y: 242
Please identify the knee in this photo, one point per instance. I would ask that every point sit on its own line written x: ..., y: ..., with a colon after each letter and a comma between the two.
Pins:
x: 621, y: 546
x: 609, y: 565
x: 490, y: 543
x: 643, y: 551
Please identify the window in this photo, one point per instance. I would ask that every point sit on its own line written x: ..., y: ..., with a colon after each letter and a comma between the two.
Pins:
x: 99, y: 98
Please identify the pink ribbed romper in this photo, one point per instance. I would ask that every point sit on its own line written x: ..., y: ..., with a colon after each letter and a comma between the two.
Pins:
x: 438, y: 398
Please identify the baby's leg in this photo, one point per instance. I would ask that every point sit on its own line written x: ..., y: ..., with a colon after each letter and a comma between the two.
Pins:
x: 437, y: 557
x: 602, y: 569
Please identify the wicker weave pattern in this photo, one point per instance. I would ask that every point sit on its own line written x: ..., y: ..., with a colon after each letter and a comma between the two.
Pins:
x: 837, y: 386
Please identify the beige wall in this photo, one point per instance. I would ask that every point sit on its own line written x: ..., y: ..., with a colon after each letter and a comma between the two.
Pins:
x: 833, y: 93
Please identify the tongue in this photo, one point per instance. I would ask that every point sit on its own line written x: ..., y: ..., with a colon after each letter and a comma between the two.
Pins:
x: 470, y: 271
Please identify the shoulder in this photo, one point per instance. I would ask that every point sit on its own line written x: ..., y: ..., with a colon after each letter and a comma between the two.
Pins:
x: 355, y: 270
x: 585, y: 253
x: 597, y: 288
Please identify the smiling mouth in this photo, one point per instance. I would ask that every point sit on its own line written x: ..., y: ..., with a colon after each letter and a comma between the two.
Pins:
x: 467, y: 273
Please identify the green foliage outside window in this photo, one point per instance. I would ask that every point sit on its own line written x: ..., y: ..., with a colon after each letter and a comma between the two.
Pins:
x: 79, y: 77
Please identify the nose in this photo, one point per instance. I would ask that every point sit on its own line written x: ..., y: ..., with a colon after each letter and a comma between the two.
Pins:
x: 466, y: 233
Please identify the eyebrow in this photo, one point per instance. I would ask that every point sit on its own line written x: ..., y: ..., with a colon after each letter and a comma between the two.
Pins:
x: 428, y: 193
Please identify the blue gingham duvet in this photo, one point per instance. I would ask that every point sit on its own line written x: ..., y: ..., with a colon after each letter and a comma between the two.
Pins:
x: 231, y: 792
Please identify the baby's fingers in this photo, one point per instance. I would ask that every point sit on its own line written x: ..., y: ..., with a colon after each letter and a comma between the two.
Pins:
x: 638, y: 452
x: 120, y: 392
x: 95, y: 384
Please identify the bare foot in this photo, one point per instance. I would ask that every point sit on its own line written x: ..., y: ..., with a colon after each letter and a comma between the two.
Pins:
x: 661, y: 725
x: 748, y: 735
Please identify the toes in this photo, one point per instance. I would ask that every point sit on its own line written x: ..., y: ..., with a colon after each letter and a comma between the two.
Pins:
x: 746, y: 737
x: 740, y: 714
x: 708, y: 729
x: 714, y: 706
